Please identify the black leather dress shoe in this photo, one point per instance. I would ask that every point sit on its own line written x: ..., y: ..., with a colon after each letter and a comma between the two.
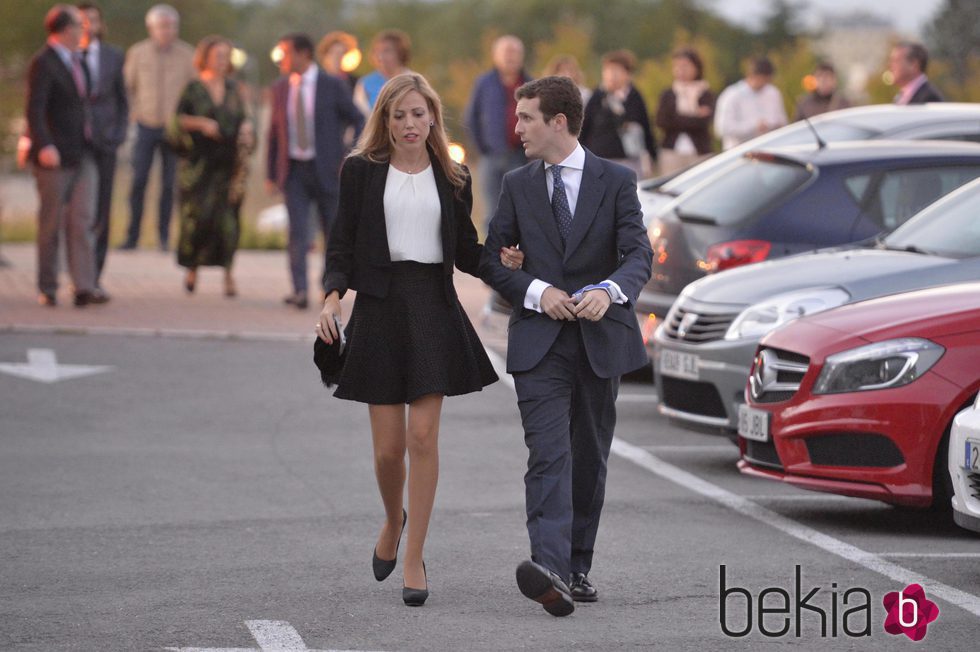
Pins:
x: 383, y: 567
x: 298, y: 300
x: 47, y: 299
x: 90, y: 298
x: 582, y: 589
x: 541, y: 585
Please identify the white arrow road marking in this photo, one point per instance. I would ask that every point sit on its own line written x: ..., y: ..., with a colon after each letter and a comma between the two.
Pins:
x: 271, y: 635
x: 42, y: 366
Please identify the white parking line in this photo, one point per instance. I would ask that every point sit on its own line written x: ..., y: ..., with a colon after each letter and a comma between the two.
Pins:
x: 271, y: 635
x: 647, y: 460
x: 932, y: 555
x: 742, y: 505
x: 693, y: 448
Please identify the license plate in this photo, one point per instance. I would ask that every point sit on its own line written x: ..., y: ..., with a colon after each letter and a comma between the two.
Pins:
x: 752, y: 423
x: 678, y: 364
x: 972, y: 461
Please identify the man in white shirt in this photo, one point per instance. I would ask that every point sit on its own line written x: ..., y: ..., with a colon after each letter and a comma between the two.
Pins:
x: 750, y: 107
x: 573, y: 333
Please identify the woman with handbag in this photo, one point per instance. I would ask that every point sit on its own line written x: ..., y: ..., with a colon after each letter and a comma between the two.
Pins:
x: 205, y: 133
x: 403, y: 224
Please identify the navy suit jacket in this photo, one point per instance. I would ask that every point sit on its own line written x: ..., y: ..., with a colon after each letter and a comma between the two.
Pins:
x: 926, y: 93
x: 333, y: 112
x: 607, y: 241
x: 55, y: 110
x: 110, y: 106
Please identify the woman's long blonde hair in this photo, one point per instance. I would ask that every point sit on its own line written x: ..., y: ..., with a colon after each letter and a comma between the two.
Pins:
x: 375, y: 142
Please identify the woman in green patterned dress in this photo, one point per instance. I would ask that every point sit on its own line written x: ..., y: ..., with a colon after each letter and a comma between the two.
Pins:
x: 209, y: 118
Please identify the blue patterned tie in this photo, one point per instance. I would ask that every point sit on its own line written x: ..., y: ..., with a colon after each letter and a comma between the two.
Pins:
x: 559, y: 204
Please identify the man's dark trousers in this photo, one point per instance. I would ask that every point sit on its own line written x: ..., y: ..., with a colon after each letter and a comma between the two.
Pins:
x: 569, y: 415
x: 105, y: 164
x: 302, y: 189
x: 148, y: 139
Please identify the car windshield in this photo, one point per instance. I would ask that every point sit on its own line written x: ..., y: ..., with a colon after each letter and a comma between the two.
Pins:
x: 795, y: 134
x: 741, y: 190
x: 948, y: 227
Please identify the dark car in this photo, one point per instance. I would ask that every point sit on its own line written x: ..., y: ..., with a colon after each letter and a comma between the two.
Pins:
x: 776, y: 202
x: 937, y: 121
x: 704, y: 348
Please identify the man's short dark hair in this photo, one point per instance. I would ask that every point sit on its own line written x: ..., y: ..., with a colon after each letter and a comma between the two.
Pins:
x: 915, y: 52
x: 824, y: 66
x: 556, y: 95
x: 300, y: 42
x: 59, y: 18
x: 763, y: 66
x: 85, y: 6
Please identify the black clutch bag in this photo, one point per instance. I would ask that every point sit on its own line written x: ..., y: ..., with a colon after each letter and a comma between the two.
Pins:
x: 329, y: 358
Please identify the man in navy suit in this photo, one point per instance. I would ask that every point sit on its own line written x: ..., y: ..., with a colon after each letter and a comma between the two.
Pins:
x: 311, y: 110
x: 110, y: 117
x: 907, y: 63
x: 60, y: 129
x: 572, y: 334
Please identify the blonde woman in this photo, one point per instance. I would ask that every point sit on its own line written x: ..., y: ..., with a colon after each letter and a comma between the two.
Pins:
x: 403, y: 225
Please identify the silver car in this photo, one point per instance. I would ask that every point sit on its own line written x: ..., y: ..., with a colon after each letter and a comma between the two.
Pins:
x: 704, y: 348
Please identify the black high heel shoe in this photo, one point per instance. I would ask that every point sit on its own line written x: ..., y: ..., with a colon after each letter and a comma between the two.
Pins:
x: 383, y: 567
x: 416, y: 597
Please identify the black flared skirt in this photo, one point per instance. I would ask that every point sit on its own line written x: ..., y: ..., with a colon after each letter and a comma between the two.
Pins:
x: 411, y: 343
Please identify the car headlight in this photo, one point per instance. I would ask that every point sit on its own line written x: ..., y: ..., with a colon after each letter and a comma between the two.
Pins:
x: 760, y: 318
x: 881, y: 365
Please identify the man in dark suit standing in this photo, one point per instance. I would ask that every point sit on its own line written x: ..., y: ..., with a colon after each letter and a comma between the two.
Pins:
x: 907, y: 63
x: 572, y: 334
x: 60, y: 129
x: 110, y: 116
x: 311, y: 110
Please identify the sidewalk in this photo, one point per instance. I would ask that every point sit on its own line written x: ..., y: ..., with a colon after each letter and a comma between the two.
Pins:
x: 148, y: 297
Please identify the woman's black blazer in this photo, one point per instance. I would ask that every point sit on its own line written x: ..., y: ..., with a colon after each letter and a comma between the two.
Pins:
x: 358, y: 257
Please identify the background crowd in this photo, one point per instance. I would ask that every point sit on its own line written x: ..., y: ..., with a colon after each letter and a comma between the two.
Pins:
x: 196, y: 109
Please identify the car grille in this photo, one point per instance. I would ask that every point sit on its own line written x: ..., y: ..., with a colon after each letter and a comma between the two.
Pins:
x: 854, y: 449
x: 762, y: 454
x: 697, y: 327
x: 692, y: 397
x: 974, y: 480
x: 776, y: 375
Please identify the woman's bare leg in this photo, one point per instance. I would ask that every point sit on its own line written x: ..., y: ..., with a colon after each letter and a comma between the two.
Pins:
x: 388, y: 434
x: 422, y: 441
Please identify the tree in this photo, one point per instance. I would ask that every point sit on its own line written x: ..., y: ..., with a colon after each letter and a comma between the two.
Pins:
x: 954, y: 35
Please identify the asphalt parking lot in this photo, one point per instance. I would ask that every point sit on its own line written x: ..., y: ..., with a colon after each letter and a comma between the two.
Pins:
x: 187, y: 484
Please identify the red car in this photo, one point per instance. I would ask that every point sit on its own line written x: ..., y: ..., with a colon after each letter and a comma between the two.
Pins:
x: 859, y: 400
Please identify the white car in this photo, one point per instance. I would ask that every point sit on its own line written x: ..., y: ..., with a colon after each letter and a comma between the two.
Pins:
x: 964, y: 467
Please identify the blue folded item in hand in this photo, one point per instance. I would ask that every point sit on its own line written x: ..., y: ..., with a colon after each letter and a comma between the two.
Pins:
x: 600, y: 286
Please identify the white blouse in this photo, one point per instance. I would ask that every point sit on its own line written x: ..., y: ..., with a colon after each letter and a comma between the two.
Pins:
x: 413, y: 216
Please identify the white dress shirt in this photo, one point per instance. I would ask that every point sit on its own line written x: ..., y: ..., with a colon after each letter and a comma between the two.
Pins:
x: 740, y: 109
x: 308, y: 79
x: 571, y: 177
x: 413, y: 216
